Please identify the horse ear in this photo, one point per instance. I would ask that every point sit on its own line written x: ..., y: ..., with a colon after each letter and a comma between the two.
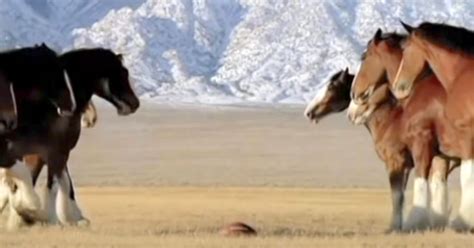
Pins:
x: 120, y: 57
x: 378, y: 36
x: 343, y: 75
x: 407, y: 27
x: 346, y: 72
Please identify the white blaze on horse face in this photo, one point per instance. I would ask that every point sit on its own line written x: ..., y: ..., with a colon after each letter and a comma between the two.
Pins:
x: 316, y: 100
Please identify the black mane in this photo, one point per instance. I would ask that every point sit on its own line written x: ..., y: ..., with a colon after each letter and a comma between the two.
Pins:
x: 455, y: 38
x: 86, y: 52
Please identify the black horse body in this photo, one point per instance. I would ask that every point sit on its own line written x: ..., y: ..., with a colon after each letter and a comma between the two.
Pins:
x: 41, y: 93
x: 91, y: 71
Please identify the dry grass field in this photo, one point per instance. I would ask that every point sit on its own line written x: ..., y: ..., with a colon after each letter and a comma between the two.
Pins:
x: 171, y: 177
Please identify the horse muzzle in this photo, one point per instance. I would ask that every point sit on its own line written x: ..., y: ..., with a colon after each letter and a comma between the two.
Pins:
x: 402, y: 90
x: 7, y: 123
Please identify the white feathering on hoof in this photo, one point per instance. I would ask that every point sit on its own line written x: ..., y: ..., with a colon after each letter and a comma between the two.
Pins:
x: 67, y: 210
x: 48, y: 202
x: 465, y: 220
x: 418, y: 218
x: 439, y: 200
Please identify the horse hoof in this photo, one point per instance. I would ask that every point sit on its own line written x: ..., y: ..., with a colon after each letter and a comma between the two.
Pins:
x: 460, y: 226
x: 83, y: 223
x: 392, y: 230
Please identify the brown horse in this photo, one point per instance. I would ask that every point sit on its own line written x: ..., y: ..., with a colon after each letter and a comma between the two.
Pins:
x: 389, y: 148
x: 416, y: 120
x: 449, y: 51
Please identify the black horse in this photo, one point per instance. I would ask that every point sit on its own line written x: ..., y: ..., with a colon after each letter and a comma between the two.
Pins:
x: 38, y: 83
x: 91, y: 71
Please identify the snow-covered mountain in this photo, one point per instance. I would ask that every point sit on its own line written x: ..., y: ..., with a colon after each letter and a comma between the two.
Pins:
x: 222, y: 51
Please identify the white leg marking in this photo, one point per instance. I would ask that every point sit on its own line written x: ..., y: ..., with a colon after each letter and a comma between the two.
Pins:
x: 418, y: 219
x: 465, y: 220
x: 68, y: 210
x: 48, y: 202
x: 439, y: 200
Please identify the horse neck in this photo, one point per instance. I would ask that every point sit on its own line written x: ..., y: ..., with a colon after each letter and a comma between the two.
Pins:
x: 82, y: 86
x: 447, y: 65
x: 82, y: 81
x: 381, y: 119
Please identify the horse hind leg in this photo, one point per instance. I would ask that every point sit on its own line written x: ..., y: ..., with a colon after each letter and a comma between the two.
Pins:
x: 397, y: 177
x: 465, y: 218
x: 418, y: 218
x: 439, y: 213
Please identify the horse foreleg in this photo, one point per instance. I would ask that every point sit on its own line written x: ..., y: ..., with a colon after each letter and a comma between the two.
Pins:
x: 76, y: 214
x: 48, y: 192
x: 465, y: 220
x: 418, y: 218
x: 67, y: 209
x: 397, y: 176
x: 439, y: 192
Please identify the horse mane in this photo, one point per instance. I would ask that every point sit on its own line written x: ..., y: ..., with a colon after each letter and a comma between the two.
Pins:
x: 455, y: 38
x: 394, y: 39
x: 87, y: 52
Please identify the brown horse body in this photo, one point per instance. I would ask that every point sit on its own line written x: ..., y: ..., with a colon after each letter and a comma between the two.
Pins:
x: 449, y: 52
x: 420, y: 123
x: 383, y: 127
